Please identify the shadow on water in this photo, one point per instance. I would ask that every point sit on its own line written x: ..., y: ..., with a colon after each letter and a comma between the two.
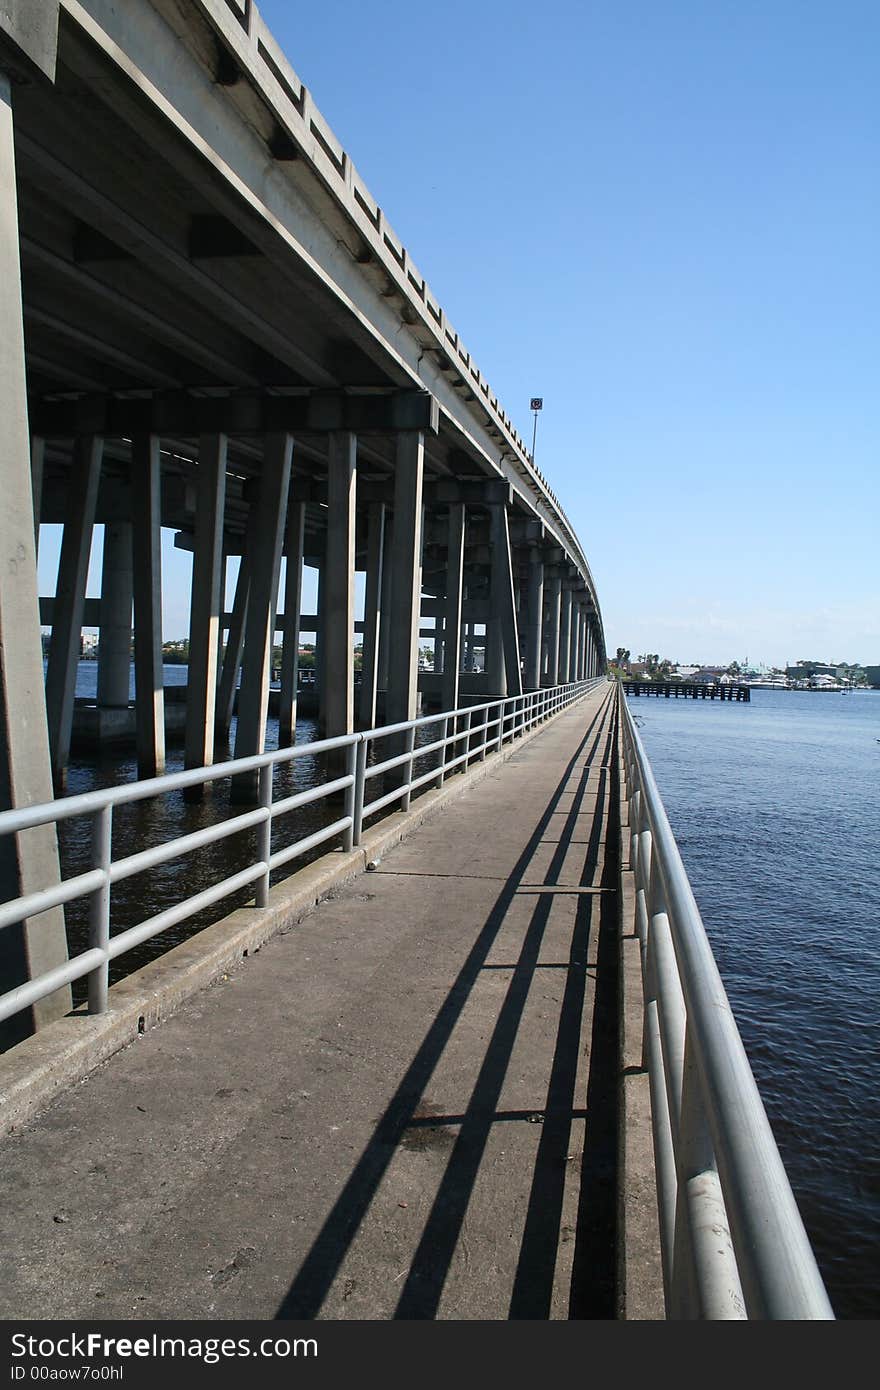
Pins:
x: 593, y: 1291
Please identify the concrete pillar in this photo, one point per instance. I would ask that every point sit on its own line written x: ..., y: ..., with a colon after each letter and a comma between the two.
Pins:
x: 534, y: 631
x: 228, y: 677
x: 564, y: 636
x: 38, y: 459
x: 321, y: 616
x: 337, y: 688
x: 385, y: 625
x: 573, y: 640
x: 70, y: 597
x: 406, y: 558
x: 265, y: 569
x: 577, y: 639
x: 373, y: 621
x: 503, y: 627
x: 114, y: 644
x: 29, y: 861
x: 553, y: 589
x: 206, y: 605
x: 293, y: 580
x: 149, y: 691
x: 452, y: 612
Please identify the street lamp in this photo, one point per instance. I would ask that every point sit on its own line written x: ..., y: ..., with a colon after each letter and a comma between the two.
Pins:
x: 537, y: 403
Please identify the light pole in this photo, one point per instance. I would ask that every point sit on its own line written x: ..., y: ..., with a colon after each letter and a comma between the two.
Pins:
x: 537, y: 403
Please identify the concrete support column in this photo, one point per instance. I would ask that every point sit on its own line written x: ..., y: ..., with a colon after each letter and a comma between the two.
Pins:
x: 553, y: 589
x: 293, y: 581
x: 503, y: 632
x: 146, y: 492
x: 114, y: 645
x: 337, y: 687
x: 534, y: 631
x: 29, y: 861
x: 564, y: 636
x: 38, y: 458
x: 585, y: 632
x: 373, y: 615
x: 452, y: 610
x: 264, y: 571
x: 206, y: 605
x: 385, y: 634
x: 70, y: 597
x: 406, y: 558
x: 574, y: 640
x: 228, y: 677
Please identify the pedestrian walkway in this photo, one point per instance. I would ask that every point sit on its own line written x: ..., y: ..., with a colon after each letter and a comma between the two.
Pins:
x: 404, y: 1106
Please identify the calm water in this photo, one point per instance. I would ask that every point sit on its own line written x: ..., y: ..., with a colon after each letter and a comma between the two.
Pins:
x: 776, y: 809
x: 166, y: 817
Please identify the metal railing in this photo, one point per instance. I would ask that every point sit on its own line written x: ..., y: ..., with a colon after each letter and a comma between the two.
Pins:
x: 732, y: 1240
x: 468, y: 734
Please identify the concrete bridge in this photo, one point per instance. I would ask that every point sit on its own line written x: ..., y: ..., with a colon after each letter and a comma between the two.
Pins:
x: 209, y: 325
x: 497, y: 1076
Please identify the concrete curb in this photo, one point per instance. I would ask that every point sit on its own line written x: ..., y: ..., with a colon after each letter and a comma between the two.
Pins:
x: 65, y: 1052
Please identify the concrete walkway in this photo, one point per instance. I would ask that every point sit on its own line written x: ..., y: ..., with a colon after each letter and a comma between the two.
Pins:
x: 404, y: 1106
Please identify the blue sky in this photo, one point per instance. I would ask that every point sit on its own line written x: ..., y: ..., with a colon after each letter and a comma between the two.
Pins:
x: 663, y: 217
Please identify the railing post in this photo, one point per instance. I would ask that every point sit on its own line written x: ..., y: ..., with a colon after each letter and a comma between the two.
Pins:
x: 705, y: 1279
x: 350, y: 795
x: 443, y: 751
x: 410, y: 745
x: 467, y: 740
x: 264, y: 835
x: 360, y: 782
x: 99, y: 909
x: 501, y: 704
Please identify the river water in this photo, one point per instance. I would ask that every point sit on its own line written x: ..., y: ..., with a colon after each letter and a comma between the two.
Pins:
x: 775, y: 806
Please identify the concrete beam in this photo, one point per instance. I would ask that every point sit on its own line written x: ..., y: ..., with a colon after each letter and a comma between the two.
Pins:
x: 29, y: 38
x: 496, y: 492
x: 245, y: 413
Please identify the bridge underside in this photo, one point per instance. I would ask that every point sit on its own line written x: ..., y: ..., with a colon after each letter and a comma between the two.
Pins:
x: 205, y: 344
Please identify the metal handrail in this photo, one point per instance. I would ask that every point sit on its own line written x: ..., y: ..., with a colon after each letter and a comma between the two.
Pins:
x: 502, y: 721
x: 732, y: 1239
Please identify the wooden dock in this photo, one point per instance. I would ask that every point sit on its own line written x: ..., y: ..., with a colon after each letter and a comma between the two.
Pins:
x: 687, y: 690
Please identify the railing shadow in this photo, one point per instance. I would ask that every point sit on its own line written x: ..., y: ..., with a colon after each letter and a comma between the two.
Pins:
x: 405, y: 1115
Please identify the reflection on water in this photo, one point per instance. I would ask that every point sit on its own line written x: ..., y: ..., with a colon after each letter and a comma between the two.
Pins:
x: 142, y: 824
